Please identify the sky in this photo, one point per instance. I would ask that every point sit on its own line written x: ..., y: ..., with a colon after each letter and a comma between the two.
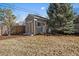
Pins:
x: 21, y: 10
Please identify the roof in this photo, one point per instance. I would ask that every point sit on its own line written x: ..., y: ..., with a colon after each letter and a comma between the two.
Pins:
x: 36, y: 16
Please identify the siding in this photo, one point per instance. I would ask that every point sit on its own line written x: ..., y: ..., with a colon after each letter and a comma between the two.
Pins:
x: 76, y: 27
x: 32, y: 27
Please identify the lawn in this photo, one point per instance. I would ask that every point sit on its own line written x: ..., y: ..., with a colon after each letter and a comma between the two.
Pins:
x: 39, y: 45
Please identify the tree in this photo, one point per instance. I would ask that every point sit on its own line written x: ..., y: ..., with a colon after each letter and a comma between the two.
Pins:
x: 70, y: 15
x: 8, y: 19
x: 61, y: 17
x: 1, y: 14
x: 1, y: 19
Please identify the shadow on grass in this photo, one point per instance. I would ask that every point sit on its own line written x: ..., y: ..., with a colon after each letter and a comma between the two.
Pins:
x: 9, y: 37
x: 16, y: 36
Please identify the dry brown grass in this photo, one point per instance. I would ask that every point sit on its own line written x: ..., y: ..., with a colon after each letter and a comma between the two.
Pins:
x: 39, y: 45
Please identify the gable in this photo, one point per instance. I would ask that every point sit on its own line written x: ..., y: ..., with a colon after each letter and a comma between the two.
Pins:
x: 32, y: 17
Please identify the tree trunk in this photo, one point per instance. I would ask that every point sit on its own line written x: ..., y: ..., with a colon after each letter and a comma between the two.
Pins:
x: 9, y: 31
x: 1, y: 30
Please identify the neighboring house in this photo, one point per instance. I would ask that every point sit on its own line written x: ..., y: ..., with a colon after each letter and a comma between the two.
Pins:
x: 76, y: 22
x: 35, y: 24
x: 3, y: 28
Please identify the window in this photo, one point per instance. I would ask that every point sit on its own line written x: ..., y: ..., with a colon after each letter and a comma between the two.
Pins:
x: 39, y: 24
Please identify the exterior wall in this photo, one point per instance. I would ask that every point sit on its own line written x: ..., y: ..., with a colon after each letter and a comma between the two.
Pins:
x: 3, y: 29
x: 41, y: 29
x: 29, y: 27
x: 76, y: 23
x: 32, y: 27
x: 76, y: 27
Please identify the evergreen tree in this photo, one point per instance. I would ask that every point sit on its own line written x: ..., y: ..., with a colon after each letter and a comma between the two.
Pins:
x: 61, y: 17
